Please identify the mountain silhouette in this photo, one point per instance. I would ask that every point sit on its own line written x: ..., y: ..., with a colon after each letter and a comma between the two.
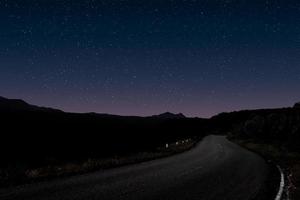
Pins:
x: 168, y: 115
x: 18, y: 105
x: 297, y: 105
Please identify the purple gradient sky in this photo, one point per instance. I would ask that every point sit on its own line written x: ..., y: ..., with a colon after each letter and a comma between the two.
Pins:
x: 143, y: 58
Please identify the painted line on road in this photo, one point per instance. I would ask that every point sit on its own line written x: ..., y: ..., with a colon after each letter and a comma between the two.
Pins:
x: 280, y: 191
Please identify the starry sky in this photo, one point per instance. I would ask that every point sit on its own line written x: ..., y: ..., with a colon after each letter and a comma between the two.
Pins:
x: 144, y: 57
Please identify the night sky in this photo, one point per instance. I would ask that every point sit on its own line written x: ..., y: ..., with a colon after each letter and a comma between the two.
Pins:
x: 144, y: 57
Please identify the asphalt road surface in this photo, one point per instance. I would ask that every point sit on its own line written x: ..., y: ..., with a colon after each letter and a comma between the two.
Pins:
x: 215, y: 169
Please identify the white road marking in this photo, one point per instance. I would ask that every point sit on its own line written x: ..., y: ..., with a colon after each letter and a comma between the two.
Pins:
x: 280, y: 192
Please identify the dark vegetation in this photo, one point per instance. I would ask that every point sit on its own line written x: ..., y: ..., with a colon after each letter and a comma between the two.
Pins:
x: 34, y: 137
x: 280, y: 127
x: 273, y: 133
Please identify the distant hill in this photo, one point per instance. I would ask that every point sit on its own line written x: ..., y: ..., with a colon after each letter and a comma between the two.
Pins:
x: 297, y: 105
x: 279, y: 126
x: 17, y: 105
x: 168, y: 115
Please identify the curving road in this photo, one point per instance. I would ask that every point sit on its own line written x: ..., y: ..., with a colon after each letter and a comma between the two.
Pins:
x: 215, y: 169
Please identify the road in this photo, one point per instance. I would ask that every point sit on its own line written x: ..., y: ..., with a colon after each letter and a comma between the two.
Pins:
x: 215, y: 169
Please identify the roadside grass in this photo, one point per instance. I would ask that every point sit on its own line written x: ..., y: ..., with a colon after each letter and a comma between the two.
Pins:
x: 12, y: 176
x: 289, y: 161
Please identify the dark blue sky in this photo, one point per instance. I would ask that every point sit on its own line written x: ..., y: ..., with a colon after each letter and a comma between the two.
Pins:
x: 143, y: 57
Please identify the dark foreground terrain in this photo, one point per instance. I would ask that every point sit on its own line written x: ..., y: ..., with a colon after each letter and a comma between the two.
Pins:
x: 215, y: 169
x: 40, y: 139
x: 45, y: 142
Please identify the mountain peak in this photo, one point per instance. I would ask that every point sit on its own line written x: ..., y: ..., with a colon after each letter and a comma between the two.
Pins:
x: 169, y: 115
